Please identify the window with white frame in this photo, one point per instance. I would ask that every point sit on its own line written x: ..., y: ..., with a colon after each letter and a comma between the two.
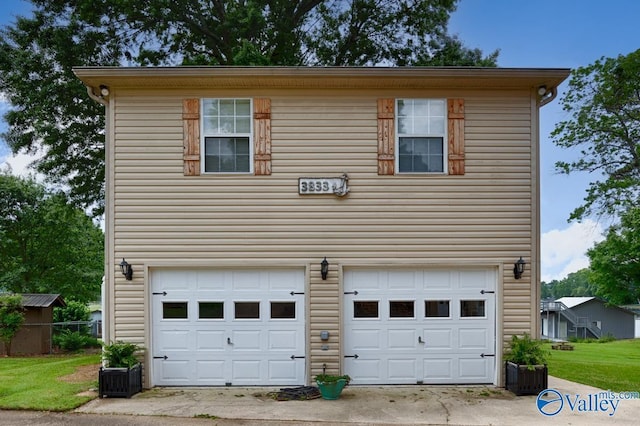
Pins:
x: 421, y: 125
x: 226, y: 131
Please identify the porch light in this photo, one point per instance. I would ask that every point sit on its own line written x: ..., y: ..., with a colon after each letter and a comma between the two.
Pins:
x: 518, y: 268
x: 324, y: 268
x: 104, y: 91
x: 126, y: 270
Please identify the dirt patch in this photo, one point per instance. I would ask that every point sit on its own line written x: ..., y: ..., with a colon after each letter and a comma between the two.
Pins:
x: 84, y: 373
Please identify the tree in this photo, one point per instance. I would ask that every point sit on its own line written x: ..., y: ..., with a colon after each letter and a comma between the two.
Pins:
x: 52, y: 114
x: 576, y: 284
x: 46, y: 244
x: 615, y: 262
x: 11, y: 318
x: 603, y: 101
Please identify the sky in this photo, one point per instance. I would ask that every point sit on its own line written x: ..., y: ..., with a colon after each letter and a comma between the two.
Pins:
x: 529, y: 34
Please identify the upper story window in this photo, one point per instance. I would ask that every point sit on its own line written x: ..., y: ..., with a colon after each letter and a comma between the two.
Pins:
x: 421, y: 125
x: 226, y: 131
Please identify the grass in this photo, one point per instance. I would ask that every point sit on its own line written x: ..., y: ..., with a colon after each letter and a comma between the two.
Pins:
x: 33, y: 383
x: 610, y: 366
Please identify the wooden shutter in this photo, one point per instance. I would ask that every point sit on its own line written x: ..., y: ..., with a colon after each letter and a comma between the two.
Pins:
x: 262, y: 136
x: 191, y: 136
x: 455, y: 129
x: 386, y: 137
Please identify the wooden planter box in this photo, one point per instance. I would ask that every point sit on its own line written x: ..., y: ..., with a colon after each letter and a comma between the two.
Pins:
x: 522, y: 381
x: 120, y: 382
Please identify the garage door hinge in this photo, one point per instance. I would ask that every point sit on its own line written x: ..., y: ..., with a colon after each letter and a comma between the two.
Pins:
x: 160, y: 357
x: 351, y: 292
x: 352, y: 356
x: 293, y: 292
x: 164, y: 293
x: 486, y: 291
x: 485, y: 355
x: 294, y: 357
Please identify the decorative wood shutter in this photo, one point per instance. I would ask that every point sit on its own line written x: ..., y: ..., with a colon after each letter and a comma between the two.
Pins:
x: 386, y: 137
x: 191, y: 136
x: 262, y: 136
x: 455, y: 123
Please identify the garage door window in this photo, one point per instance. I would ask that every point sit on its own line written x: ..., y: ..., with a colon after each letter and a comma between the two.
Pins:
x: 365, y: 309
x: 472, y: 308
x: 247, y: 310
x: 436, y: 308
x: 401, y: 309
x: 283, y: 310
x: 174, y: 310
x: 210, y: 310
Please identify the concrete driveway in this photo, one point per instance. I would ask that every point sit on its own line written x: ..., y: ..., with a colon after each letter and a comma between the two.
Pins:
x: 373, y: 405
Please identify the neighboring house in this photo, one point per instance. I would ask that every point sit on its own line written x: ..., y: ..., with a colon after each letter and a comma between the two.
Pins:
x: 636, y: 310
x: 229, y: 187
x: 34, y: 337
x: 585, y: 317
x: 95, y: 310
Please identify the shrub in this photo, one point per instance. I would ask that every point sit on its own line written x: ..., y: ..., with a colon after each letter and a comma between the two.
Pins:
x: 73, y: 341
x: 120, y: 354
x: 526, y: 351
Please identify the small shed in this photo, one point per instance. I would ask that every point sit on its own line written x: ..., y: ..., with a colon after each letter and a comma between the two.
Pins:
x: 34, y: 337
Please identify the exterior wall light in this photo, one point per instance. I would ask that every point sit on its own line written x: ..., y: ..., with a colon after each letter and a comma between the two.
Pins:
x: 518, y: 268
x: 104, y: 91
x: 126, y: 270
x: 324, y: 268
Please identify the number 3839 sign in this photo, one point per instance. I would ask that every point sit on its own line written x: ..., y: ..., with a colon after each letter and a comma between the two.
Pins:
x: 319, y: 186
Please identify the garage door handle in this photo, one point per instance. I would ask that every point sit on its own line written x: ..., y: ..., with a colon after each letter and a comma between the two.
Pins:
x: 229, y: 342
x: 420, y: 339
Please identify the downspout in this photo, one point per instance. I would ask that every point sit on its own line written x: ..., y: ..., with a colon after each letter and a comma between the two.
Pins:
x: 549, y: 96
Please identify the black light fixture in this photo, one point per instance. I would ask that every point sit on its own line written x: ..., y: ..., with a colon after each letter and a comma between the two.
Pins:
x: 518, y: 268
x: 324, y: 268
x: 126, y: 270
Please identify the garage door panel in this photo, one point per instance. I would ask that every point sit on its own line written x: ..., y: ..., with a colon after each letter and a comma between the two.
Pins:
x: 210, y: 340
x: 438, y: 340
x: 402, y: 339
x: 439, y: 320
x: 366, y: 339
x: 214, y: 327
x: 402, y: 369
x: 473, y: 338
x: 437, y: 369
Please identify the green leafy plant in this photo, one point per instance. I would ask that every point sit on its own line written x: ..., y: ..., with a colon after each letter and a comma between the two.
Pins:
x: 73, y: 341
x: 526, y: 351
x: 11, y: 318
x: 328, y: 378
x: 120, y: 354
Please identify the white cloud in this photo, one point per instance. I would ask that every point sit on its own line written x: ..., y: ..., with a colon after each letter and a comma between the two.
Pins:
x: 564, y: 250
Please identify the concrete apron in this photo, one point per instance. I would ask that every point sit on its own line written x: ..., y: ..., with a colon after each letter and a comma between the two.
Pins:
x: 411, y: 405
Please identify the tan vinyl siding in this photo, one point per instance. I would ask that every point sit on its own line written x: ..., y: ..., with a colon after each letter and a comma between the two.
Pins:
x: 483, y: 217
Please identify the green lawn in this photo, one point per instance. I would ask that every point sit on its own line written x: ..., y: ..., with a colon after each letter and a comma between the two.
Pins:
x: 610, y: 366
x: 33, y: 383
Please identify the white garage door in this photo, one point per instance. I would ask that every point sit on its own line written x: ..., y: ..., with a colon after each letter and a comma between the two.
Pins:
x: 420, y: 326
x: 228, y: 327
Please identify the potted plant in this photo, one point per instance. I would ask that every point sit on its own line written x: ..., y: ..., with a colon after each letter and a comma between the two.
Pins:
x: 121, y: 373
x: 331, y: 386
x: 525, y: 367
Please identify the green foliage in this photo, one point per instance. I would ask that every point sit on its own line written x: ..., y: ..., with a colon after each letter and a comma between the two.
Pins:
x: 576, y: 284
x: 329, y: 378
x: 73, y: 341
x: 51, y: 111
x: 603, y: 102
x: 120, y: 354
x: 74, y: 311
x: 526, y: 351
x: 47, y: 245
x: 11, y: 318
x: 615, y: 262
